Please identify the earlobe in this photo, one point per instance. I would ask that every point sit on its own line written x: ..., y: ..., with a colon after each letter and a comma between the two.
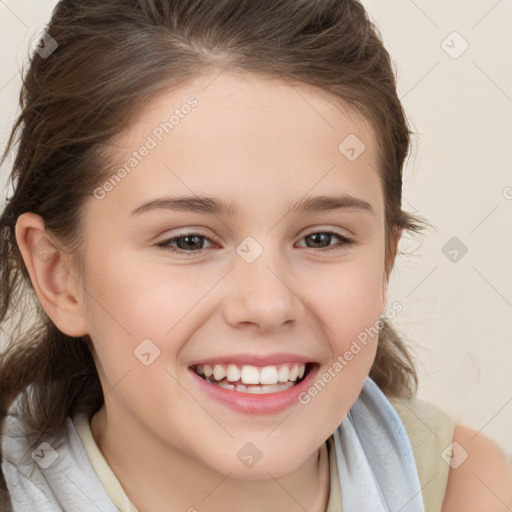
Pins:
x: 49, y: 274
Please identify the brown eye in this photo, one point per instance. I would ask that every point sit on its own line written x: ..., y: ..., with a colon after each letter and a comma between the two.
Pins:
x: 186, y: 243
x: 322, y: 240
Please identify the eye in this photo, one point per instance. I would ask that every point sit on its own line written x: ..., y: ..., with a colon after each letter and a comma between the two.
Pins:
x: 188, y: 243
x: 323, y: 238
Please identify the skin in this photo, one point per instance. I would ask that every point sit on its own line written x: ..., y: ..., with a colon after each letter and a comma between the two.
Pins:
x: 261, y: 144
x: 483, y: 481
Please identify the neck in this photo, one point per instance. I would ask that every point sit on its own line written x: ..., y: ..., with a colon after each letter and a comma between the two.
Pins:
x: 154, y: 477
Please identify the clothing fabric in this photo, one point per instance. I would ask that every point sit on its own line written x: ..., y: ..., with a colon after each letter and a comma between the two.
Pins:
x: 430, y: 431
x: 376, y: 465
x: 372, y: 465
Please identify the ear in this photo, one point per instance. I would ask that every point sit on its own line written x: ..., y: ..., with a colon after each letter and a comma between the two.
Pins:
x: 390, y: 259
x: 50, y: 275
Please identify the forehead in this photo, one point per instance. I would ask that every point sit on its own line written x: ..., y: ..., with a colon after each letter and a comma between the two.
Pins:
x: 230, y: 134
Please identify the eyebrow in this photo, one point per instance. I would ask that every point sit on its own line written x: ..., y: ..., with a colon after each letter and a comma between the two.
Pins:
x: 214, y: 206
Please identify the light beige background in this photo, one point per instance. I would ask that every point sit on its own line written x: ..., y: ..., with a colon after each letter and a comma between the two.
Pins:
x: 457, y: 314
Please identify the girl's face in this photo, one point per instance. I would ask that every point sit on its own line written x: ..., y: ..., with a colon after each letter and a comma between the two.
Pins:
x: 258, y: 282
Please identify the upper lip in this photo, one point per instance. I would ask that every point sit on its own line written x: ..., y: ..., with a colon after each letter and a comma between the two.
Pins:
x: 255, y: 359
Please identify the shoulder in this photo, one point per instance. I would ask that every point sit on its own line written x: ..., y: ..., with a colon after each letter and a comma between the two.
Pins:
x: 480, y: 476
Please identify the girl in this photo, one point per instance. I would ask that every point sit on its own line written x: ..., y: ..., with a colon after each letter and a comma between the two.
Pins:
x: 206, y: 212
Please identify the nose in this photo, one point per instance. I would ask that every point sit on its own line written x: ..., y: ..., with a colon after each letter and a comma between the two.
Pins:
x: 261, y: 295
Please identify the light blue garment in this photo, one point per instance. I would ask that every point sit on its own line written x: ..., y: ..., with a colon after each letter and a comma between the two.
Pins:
x: 375, y: 463
x: 68, y: 484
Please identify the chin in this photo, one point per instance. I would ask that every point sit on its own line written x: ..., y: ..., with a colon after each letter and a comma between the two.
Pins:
x: 255, y: 461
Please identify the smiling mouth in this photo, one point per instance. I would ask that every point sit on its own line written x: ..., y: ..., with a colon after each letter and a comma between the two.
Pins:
x: 253, y: 379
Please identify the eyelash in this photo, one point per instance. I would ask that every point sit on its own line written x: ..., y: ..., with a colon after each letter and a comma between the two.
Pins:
x: 165, y: 244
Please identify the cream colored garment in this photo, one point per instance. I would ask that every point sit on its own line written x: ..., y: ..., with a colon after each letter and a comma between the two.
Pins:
x: 430, y: 431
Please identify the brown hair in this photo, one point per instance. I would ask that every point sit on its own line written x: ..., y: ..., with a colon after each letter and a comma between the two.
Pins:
x: 114, y: 55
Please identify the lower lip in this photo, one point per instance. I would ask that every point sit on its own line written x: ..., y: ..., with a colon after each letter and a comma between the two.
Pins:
x: 248, y: 403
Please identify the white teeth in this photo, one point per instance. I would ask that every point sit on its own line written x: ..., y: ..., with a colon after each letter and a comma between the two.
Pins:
x: 233, y: 373
x: 274, y: 388
x: 272, y: 378
x: 250, y: 374
x: 283, y: 373
x: 219, y: 372
x: 254, y: 390
x: 225, y: 385
x: 264, y: 390
x: 269, y: 375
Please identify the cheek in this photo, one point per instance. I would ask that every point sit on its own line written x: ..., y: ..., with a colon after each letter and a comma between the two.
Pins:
x: 135, y: 316
x: 348, y: 298
x: 130, y: 303
x: 143, y: 299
